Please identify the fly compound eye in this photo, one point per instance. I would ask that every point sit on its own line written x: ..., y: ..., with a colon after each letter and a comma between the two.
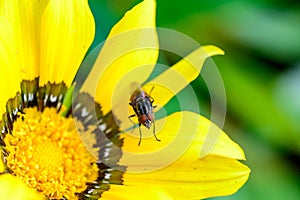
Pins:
x: 147, y: 123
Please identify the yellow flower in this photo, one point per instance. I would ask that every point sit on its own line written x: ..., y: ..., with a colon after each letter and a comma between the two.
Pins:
x: 42, y: 45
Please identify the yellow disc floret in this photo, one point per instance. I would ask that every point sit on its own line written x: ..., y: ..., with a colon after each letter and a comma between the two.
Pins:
x: 46, y: 152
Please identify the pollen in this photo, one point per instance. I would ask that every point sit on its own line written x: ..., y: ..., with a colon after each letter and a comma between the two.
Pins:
x: 46, y: 152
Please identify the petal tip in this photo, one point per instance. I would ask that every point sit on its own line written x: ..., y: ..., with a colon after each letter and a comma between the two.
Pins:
x: 213, y: 50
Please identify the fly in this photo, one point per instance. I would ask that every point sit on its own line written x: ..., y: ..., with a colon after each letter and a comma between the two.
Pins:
x: 141, y: 103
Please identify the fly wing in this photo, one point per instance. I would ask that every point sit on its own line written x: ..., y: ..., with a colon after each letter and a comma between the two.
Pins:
x: 133, y: 87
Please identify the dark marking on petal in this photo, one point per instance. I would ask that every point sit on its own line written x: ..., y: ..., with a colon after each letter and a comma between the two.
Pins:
x: 107, y: 133
x: 85, y: 110
x: 13, y: 108
x: 51, y: 95
x: 29, y: 92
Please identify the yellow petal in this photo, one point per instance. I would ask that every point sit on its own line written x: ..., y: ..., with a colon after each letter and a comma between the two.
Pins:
x: 12, y: 188
x: 185, y: 135
x: 177, y: 165
x: 180, y: 75
x: 207, y: 177
x: 9, y: 73
x: 122, y: 192
x: 67, y: 30
x: 25, y: 17
x: 129, y: 54
x: 212, y: 140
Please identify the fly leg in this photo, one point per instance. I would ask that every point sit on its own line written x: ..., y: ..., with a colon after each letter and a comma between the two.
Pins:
x: 151, y: 90
x: 150, y: 98
x: 154, y: 132
x: 131, y: 120
x: 140, y: 134
x: 134, y: 127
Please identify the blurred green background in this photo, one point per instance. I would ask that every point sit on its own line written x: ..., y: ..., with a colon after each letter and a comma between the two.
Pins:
x: 261, y: 74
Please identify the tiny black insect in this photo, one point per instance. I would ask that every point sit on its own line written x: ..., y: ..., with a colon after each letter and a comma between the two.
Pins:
x: 141, y: 103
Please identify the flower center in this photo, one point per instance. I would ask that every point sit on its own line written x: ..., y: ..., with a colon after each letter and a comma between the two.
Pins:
x: 48, y: 156
x: 46, y: 152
